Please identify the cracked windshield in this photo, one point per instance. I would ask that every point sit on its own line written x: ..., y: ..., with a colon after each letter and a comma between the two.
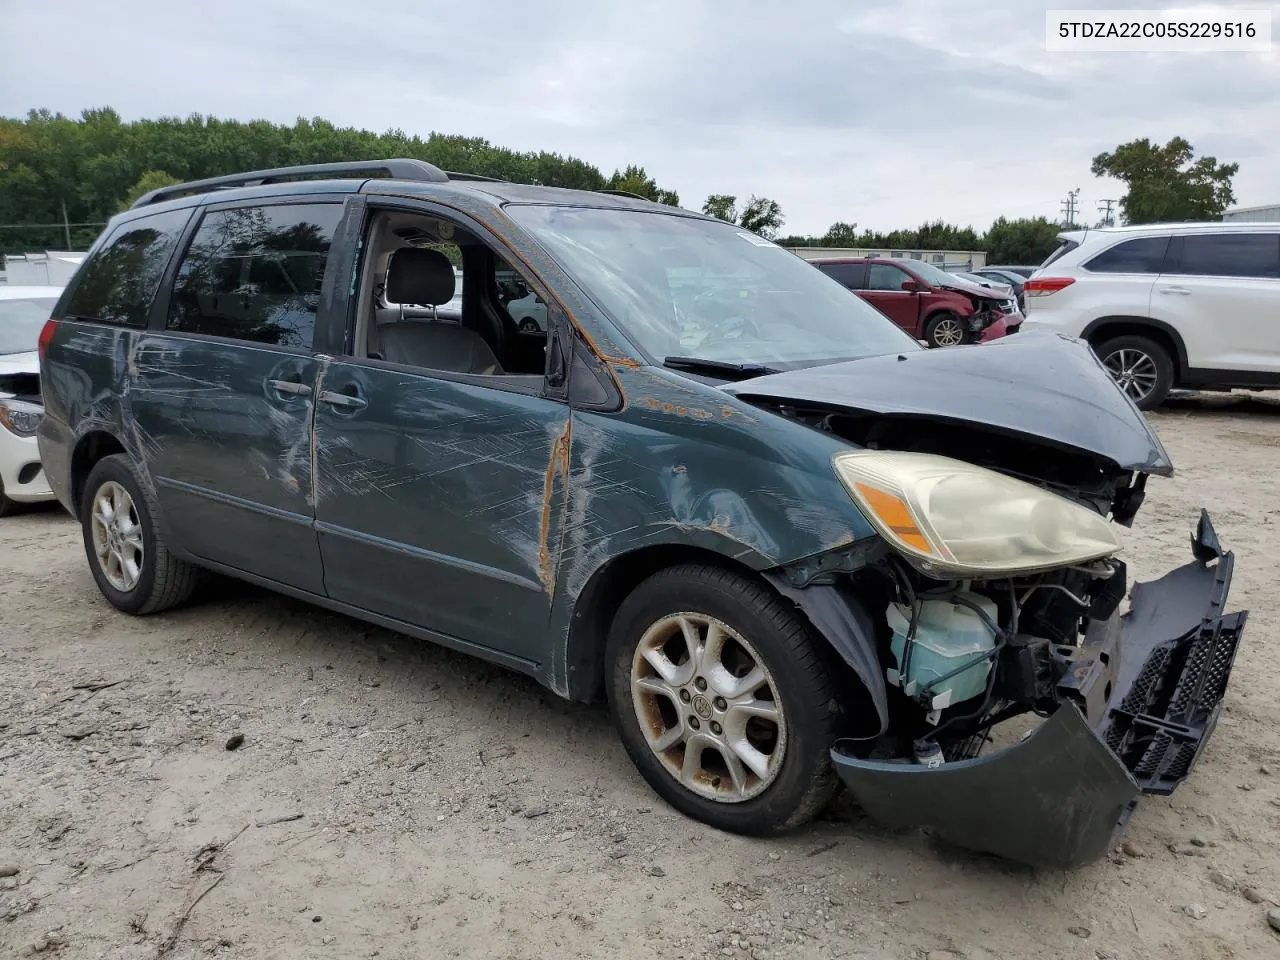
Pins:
x: 682, y: 287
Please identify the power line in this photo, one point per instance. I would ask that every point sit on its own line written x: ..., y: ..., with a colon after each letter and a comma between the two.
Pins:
x: 1069, y: 207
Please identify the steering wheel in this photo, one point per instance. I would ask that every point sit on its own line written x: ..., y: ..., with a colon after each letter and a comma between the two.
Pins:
x: 732, y: 328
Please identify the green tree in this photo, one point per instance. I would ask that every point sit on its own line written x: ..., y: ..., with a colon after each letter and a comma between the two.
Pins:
x: 841, y: 234
x: 1166, y: 183
x: 761, y: 216
x: 721, y: 206
x: 1024, y: 241
x: 151, y: 180
x: 635, y: 180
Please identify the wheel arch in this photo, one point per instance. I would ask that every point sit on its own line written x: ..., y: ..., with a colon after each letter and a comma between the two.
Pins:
x: 1110, y: 327
x: 609, y: 585
x: 89, y: 449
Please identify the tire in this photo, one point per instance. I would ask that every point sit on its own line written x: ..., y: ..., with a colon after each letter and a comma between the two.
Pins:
x: 1149, y: 368
x: 162, y: 580
x: 797, y: 671
x: 944, y: 330
x: 7, y: 506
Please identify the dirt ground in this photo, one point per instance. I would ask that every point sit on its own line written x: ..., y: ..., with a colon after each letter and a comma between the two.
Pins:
x: 396, y: 800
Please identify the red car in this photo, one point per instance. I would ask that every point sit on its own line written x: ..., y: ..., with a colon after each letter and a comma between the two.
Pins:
x: 934, y: 306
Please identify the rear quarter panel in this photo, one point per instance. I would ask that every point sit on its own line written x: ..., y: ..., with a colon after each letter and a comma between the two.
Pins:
x: 84, y: 382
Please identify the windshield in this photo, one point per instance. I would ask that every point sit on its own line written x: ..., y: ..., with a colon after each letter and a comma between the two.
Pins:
x: 20, y: 323
x: 687, y: 287
x: 932, y: 275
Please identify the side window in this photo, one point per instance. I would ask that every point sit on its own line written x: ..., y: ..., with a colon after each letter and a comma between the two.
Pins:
x: 254, y: 273
x: 851, y: 275
x: 882, y: 276
x: 118, y: 284
x: 1140, y: 255
x: 1230, y: 255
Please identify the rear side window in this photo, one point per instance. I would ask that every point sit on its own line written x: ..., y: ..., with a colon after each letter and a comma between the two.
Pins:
x: 119, y: 282
x: 851, y: 275
x: 254, y: 273
x: 1063, y: 248
x: 1229, y: 255
x: 1140, y: 255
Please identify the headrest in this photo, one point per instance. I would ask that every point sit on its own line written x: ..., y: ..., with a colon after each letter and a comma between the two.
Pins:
x: 419, y: 276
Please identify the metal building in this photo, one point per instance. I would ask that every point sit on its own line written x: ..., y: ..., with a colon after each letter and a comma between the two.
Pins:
x: 1265, y: 214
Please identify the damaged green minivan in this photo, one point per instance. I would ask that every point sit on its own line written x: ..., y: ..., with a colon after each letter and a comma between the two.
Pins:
x: 790, y: 547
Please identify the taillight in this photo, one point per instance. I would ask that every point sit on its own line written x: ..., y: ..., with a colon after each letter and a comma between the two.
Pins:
x: 46, y: 337
x: 1044, y: 286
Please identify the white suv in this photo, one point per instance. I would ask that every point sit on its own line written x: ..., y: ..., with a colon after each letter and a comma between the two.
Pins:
x: 1193, y: 305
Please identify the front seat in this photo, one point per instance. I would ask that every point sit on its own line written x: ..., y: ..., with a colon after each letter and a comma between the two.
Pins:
x: 425, y: 278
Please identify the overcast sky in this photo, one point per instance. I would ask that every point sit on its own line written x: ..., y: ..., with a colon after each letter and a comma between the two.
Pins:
x: 881, y: 112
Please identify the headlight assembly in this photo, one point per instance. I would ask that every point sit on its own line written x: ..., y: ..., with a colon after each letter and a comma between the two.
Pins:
x: 954, y: 519
x: 20, y: 417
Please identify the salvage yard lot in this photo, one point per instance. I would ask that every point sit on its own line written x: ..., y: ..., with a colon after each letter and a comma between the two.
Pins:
x: 394, y: 799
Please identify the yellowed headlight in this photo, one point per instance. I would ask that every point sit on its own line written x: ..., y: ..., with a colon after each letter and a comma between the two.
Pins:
x: 957, y: 519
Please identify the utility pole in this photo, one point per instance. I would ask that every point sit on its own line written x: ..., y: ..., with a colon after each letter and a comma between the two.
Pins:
x: 1105, y: 206
x: 66, y: 224
x: 1069, y: 207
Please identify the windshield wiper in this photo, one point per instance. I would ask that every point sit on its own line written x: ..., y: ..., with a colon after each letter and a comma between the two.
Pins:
x: 734, y: 371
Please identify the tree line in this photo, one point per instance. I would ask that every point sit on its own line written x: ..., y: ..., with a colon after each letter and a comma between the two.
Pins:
x: 61, y: 178
x: 57, y: 170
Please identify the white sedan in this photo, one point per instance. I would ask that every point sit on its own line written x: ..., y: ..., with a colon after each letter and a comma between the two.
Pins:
x: 23, y: 312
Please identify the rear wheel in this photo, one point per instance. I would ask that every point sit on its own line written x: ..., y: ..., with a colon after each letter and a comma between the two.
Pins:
x: 127, y: 554
x: 944, y: 330
x: 1140, y: 367
x: 724, y: 699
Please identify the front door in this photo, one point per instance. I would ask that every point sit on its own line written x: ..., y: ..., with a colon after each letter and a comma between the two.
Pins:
x: 439, y: 502
x: 221, y: 398
x: 885, y: 292
x: 440, y: 459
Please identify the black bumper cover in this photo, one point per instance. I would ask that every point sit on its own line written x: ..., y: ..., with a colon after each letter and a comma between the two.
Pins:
x: 1062, y: 796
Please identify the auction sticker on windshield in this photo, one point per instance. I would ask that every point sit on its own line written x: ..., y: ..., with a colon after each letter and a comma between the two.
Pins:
x: 758, y: 240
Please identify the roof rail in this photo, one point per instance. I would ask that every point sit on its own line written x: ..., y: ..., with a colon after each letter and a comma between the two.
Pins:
x: 397, y: 169
x: 624, y: 193
x: 454, y: 175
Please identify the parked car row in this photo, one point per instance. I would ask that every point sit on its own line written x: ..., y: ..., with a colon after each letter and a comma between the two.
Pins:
x: 782, y: 541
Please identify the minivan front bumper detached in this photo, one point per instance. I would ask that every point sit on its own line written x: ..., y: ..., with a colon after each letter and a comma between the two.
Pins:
x: 1061, y: 796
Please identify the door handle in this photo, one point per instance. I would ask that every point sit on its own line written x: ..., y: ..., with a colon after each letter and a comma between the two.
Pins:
x: 291, y: 387
x: 1177, y: 291
x: 343, y: 401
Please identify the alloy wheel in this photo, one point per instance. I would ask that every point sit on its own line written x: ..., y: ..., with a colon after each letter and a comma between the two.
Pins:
x: 117, y: 536
x: 948, y: 333
x: 708, y: 707
x: 1134, y: 371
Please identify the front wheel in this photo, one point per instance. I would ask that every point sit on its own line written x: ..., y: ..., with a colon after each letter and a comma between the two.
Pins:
x: 1140, y: 367
x: 724, y: 699
x: 944, y: 330
x: 127, y: 553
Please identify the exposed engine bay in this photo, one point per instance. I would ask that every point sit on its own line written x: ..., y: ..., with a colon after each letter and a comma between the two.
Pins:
x: 1132, y: 696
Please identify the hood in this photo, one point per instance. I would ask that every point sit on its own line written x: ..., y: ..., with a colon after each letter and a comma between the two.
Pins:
x: 999, y: 292
x: 11, y: 363
x: 1035, y: 385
